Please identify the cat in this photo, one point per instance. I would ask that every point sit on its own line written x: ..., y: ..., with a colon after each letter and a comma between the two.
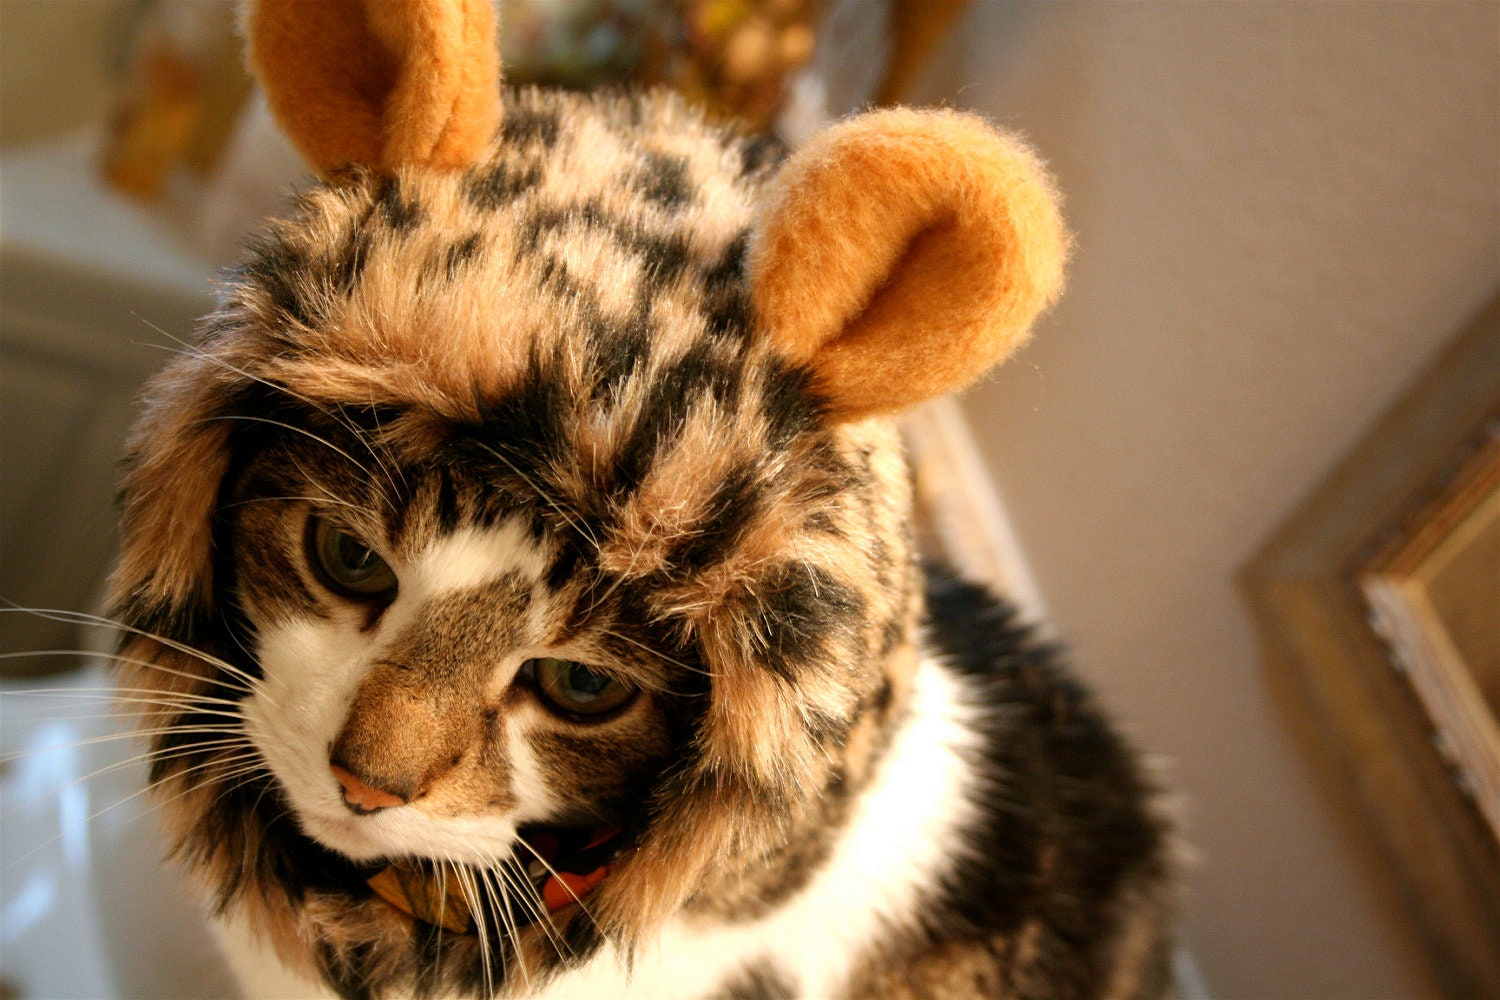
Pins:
x: 523, y: 619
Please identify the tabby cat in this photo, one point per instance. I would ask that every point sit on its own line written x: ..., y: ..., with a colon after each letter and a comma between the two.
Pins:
x: 528, y: 614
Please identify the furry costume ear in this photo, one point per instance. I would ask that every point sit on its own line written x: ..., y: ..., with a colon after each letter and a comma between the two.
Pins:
x: 902, y: 253
x: 176, y: 457
x: 379, y: 83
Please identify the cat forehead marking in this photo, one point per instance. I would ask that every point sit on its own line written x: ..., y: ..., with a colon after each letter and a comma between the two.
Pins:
x: 472, y: 557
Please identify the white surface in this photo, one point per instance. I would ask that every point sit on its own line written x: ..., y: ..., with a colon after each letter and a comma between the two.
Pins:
x: 1282, y: 211
x: 88, y: 908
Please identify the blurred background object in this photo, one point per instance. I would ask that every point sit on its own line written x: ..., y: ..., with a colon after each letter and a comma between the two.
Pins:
x: 181, y: 89
x: 186, y: 134
x: 57, y: 65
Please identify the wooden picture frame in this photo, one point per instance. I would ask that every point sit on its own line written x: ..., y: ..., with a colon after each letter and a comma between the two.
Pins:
x: 1340, y: 594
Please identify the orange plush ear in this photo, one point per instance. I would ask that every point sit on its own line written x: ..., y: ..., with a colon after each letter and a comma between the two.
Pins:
x: 379, y: 83
x: 902, y: 253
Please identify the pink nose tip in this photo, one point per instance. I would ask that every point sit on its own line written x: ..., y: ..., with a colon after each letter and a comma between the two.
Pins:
x: 363, y: 798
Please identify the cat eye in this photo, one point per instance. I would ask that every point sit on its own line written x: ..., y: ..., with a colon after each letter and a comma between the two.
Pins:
x: 347, y: 565
x: 575, y: 688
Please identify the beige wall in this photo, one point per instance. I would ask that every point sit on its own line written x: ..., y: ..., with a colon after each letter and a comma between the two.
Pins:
x: 1282, y: 211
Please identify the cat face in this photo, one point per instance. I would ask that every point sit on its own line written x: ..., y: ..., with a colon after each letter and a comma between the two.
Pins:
x: 493, y: 519
x: 464, y: 630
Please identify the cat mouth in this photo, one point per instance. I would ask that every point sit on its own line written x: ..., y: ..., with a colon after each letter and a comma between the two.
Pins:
x: 555, y: 867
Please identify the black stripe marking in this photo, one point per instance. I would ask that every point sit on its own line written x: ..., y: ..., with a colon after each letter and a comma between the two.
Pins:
x: 447, y: 503
x: 502, y: 184
x: 346, y: 266
x: 759, y: 980
x: 798, y: 612
x: 663, y: 180
x: 760, y: 153
x: 735, y: 503
x: 275, y: 268
x: 726, y: 297
x: 666, y: 256
x: 618, y: 351
x: 400, y: 213
x: 664, y: 413
x: 1079, y: 780
x: 527, y: 126
x: 461, y: 253
x: 788, y: 402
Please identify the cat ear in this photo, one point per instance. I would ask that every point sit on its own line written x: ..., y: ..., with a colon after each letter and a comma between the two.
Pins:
x: 379, y: 83
x: 902, y: 253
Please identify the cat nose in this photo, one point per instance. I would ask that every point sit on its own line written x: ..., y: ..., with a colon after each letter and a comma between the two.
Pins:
x: 363, y: 798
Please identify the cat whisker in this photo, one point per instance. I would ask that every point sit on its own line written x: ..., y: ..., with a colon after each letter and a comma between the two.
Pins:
x: 257, y: 686
x: 100, y: 812
x: 231, y: 781
x: 655, y: 652
x: 147, y: 756
x: 329, y: 496
x: 244, y: 769
x: 142, y: 703
x: 117, y: 737
x: 204, y: 704
x: 232, y: 767
x: 526, y: 895
x: 107, y: 692
x: 516, y: 885
x: 84, y: 618
x: 620, y: 579
x: 115, y: 692
x: 265, y: 789
x: 44, y: 713
x: 495, y: 889
x: 442, y: 871
x: 114, y: 696
x: 291, y: 499
x: 249, y: 418
x: 380, y: 433
x: 132, y: 661
x: 583, y: 907
x: 476, y: 908
x: 150, y: 699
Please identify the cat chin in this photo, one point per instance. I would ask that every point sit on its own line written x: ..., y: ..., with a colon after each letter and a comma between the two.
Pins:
x: 344, y: 837
x: 365, y: 839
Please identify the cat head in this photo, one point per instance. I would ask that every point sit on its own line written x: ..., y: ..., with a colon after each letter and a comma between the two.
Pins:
x: 527, y: 522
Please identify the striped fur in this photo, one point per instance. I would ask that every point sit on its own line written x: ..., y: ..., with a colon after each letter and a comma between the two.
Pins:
x: 536, y: 388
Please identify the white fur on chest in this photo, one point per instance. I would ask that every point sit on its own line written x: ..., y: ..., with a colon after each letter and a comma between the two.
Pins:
x: 901, y: 837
